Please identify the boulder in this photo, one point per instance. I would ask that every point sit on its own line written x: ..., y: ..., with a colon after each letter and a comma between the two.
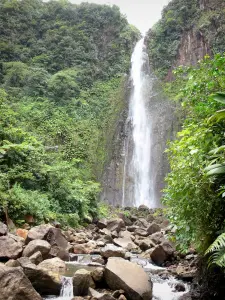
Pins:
x: 141, y: 223
x: 15, y: 285
x: 37, y: 245
x: 97, y: 274
x: 82, y: 280
x: 111, y: 250
x: 122, y: 297
x: 57, y: 251
x: 56, y: 238
x: 125, y: 243
x: 44, y: 281
x: 3, y: 229
x: 168, y: 248
x: 115, y: 225
x: 145, y: 244
x: 153, y: 228
x: 158, y: 255
x: 11, y: 246
x: 38, y: 232
x: 102, y: 223
x: 55, y: 265
x: 157, y: 238
x: 36, y: 258
x: 141, y: 232
x: 122, y: 274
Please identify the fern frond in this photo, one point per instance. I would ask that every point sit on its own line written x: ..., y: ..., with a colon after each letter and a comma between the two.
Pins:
x: 217, y: 244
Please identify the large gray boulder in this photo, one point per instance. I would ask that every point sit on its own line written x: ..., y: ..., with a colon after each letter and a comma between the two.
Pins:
x: 82, y: 280
x: 44, y: 281
x: 122, y: 274
x: 115, y: 225
x: 153, y: 228
x: 56, y: 238
x: 14, y: 285
x: 11, y: 246
x: 38, y: 232
x: 158, y: 255
x: 111, y: 250
x: 35, y: 246
x: 55, y: 265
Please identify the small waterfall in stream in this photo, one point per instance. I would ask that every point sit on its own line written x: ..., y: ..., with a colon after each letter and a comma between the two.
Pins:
x: 140, y: 166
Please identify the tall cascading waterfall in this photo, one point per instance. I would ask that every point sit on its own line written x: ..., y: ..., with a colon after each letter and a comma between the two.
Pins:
x: 138, y: 164
x: 139, y: 167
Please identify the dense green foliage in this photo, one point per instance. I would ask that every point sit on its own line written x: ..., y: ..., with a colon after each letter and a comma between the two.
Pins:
x: 195, y: 200
x: 181, y: 16
x: 62, y: 76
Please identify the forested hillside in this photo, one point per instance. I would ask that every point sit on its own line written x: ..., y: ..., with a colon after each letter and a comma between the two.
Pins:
x: 62, y: 75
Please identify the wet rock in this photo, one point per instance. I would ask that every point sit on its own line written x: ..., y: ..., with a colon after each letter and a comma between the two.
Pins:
x: 185, y: 272
x: 15, y: 285
x: 55, y: 265
x: 102, y: 223
x: 35, y: 246
x: 38, y: 232
x: 115, y: 225
x: 11, y: 246
x: 153, y: 228
x: 117, y: 293
x: 3, y: 229
x: 179, y: 287
x: 99, y: 296
x: 82, y: 280
x: 97, y: 274
x: 122, y: 274
x: 158, y: 255
x: 36, y: 258
x: 111, y: 250
x: 98, y: 260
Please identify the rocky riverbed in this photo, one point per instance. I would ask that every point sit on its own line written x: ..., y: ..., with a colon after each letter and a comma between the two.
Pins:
x: 128, y: 257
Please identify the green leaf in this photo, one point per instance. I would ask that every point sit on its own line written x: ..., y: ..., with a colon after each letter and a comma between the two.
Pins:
x: 218, y: 116
x: 216, y: 171
x: 219, y: 97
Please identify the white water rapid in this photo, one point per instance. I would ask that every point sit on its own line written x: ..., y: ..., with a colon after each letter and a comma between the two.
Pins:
x: 140, y: 168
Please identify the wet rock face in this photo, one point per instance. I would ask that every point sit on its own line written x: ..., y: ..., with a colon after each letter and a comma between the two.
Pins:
x: 122, y: 274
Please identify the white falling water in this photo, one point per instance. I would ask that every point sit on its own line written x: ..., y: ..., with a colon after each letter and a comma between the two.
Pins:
x: 141, y: 128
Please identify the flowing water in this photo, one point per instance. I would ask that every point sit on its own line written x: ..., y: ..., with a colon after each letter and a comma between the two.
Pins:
x: 140, y: 166
x: 163, y: 289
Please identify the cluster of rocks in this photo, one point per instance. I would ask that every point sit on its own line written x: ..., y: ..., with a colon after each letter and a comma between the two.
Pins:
x: 33, y: 261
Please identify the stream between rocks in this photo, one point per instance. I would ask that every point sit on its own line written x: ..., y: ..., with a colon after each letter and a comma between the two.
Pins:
x: 168, y: 288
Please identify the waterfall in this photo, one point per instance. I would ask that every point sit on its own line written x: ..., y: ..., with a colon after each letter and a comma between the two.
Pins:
x: 141, y: 129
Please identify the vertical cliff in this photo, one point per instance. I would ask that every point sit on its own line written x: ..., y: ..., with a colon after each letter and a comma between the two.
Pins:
x: 185, y: 34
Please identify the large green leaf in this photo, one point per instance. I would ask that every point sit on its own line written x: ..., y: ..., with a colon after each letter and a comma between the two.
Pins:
x: 217, y: 150
x: 219, y: 97
x: 217, y: 170
x: 218, y: 116
x: 213, y: 166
